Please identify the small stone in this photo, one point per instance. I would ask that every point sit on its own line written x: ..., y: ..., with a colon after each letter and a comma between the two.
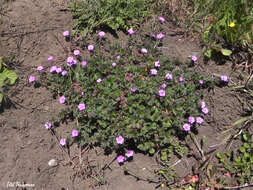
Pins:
x: 52, y: 163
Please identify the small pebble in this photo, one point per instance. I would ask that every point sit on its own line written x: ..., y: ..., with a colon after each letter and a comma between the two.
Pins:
x: 52, y: 163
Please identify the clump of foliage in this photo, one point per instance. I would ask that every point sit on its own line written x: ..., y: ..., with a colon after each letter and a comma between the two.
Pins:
x: 239, y: 163
x: 115, y: 14
x: 142, y: 96
x: 7, y: 78
x: 224, y: 23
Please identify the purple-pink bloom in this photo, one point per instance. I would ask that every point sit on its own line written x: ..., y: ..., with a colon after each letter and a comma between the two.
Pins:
x: 120, y: 140
x: 71, y: 61
x: 194, y: 58
x: 153, y: 72
x: 62, y: 100
x: 58, y: 70
x: 90, y: 47
x: 82, y: 93
x: 181, y: 79
x: 199, y: 120
x: 64, y: 72
x: 31, y: 79
x: 168, y: 76
x: 205, y: 110
x: 101, y: 34
x: 50, y: 58
x: 129, y: 153
x: 161, y: 19
x: 99, y: 80
x: 191, y: 120
x: 76, y: 52
x: 118, y: 57
x: 40, y: 68
x: 74, y: 133
x: 53, y: 68
x: 114, y: 64
x: 65, y: 33
x: 131, y: 31
x: 201, y: 81
x: 187, y: 127
x: 163, y: 85
x: 160, y: 36
x: 81, y: 107
x: 202, y: 104
x: 162, y: 93
x: 144, y: 51
x: 84, y: 63
x: 133, y: 89
x: 157, y: 64
x: 48, y: 125
x: 120, y: 159
x: 63, y: 142
x: 224, y: 78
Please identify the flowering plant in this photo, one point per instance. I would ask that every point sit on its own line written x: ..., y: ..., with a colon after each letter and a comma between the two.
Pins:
x: 115, y: 14
x: 144, y: 97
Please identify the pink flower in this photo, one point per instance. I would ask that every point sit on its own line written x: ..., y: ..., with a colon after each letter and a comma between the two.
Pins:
x: 161, y: 19
x: 71, y: 61
x: 65, y: 33
x: 74, y: 133
x: 90, y: 47
x: 129, y: 153
x: 205, y: 110
x: 144, y: 51
x: 131, y: 31
x: 114, y: 64
x: 202, y: 104
x: 199, y: 120
x: 120, y: 159
x: 76, y: 52
x: 64, y: 72
x: 62, y: 100
x: 99, y: 80
x: 120, y: 140
x: 82, y: 93
x: 118, y: 57
x: 224, y: 78
x: 101, y: 34
x: 63, y: 142
x: 168, y: 76
x: 48, y: 125
x: 58, y: 70
x: 181, y: 79
x: 201, y: 81
x: 162, y: 93
x: 194, y: 58
x: 163, y: 85
x: 153, y: 72
x: 191, y: 120
x: 157, y: 64
x: 133, y: 89
x: 81, y: 107
x: 31, y: 79
x: 187, y: 127
x: 84, y: 63
x: 53, y: 68
x: 40, y: 68
x: 159, y: 36
x: 50, y: 58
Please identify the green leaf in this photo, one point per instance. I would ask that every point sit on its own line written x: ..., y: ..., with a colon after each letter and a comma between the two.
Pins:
x: 1, y: 97
x: 7, y: 77
x: 151, y: 151
x: 242, y: 149
x: 226, y: 52
x: 208, y: 53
